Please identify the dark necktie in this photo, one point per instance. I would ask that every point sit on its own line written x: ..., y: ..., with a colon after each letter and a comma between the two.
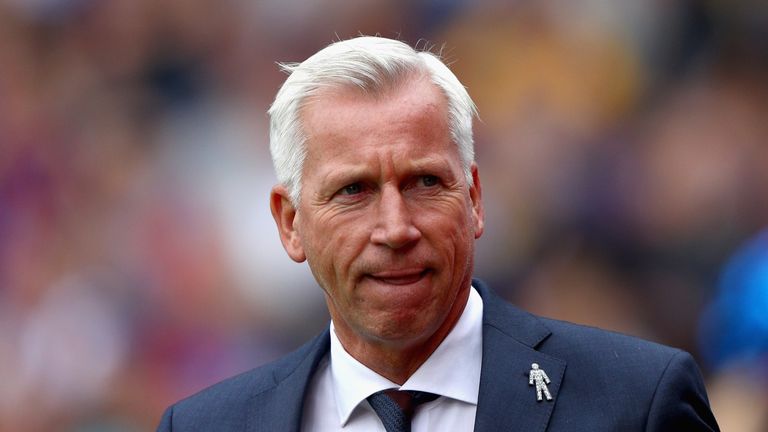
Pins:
x: 395, y: 408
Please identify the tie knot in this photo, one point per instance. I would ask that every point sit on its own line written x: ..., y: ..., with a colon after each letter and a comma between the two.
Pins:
x: 395, y: 408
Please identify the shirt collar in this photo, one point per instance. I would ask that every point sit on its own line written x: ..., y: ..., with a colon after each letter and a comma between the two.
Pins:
x: 453, y: 369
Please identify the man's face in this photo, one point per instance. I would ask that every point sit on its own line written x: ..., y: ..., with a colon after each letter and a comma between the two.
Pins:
x: 387, y: 220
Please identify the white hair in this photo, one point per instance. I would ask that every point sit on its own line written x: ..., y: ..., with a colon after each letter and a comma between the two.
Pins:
x: 372, y: 64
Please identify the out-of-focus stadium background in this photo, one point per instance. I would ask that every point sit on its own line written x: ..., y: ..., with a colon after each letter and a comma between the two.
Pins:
x: 622, y: 150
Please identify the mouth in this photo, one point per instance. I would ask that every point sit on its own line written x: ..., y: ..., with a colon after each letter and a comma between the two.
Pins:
x: 400, y: 277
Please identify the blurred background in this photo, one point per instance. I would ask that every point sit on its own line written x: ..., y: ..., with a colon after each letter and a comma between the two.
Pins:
x: 622, y: 149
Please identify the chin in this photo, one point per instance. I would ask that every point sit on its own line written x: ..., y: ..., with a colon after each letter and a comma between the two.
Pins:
x: 404, y: 329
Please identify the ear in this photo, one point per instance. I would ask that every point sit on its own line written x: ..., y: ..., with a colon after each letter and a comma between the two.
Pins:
x: 285, y: 216
x: 476, y: 196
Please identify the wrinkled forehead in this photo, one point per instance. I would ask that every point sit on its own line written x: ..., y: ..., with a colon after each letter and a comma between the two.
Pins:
x: 411, y: 104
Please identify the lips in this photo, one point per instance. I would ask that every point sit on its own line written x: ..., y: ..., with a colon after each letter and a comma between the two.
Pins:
x: 400, y: 277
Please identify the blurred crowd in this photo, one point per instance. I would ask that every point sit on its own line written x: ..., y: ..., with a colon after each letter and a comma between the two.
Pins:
x: 621, y: 144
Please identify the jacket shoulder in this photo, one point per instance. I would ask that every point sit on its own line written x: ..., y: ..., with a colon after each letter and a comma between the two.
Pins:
x: 571, y: 342
x: 580, y: 340
x: 630, y: 380
x: 224, y: 405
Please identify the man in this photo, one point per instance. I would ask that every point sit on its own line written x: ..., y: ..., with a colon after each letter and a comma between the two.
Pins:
x: 379, y: 192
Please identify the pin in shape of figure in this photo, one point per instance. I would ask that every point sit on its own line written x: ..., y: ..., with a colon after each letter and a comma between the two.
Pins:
x: 540, y: 378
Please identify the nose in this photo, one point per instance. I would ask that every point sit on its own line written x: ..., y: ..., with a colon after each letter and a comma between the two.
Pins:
x: 394, y: 226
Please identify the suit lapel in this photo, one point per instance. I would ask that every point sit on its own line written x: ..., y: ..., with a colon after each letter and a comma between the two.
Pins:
x: 280, y: 408
x: 506, y: 401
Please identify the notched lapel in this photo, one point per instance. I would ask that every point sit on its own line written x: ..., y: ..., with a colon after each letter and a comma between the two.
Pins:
x: 281, y: 407
x: 506, y: 400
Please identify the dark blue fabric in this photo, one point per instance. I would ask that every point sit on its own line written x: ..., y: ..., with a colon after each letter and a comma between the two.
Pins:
x: 394, y: 417
x: 600, y: 381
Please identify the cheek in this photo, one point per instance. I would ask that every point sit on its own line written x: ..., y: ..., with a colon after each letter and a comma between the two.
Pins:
x: 455, y: 235
x: 333, y: 247
x: 450, y: 222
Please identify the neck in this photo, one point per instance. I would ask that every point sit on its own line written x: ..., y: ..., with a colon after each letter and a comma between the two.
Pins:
x: 398, y: 360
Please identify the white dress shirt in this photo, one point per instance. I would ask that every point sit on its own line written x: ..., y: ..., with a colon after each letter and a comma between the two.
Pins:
x: 336, y: 398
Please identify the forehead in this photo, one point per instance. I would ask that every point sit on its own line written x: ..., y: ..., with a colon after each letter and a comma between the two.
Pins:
x: 350, y: 132
x: 336, y: 112
x: 347, y: 126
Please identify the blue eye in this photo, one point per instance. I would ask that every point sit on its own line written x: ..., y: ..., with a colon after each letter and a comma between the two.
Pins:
x: 429, y: 180
x: 352, y: 189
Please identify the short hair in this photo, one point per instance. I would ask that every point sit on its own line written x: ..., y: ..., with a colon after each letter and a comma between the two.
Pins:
x: 372, y: 64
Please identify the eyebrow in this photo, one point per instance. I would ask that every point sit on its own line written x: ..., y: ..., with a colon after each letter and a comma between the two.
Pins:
x: 353, y: 172
x: 341, y: 176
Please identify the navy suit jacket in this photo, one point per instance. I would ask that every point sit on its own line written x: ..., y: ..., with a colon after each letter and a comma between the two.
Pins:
x: 600, y: 381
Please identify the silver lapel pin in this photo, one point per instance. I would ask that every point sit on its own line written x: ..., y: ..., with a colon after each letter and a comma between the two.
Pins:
x: 539, y: 377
